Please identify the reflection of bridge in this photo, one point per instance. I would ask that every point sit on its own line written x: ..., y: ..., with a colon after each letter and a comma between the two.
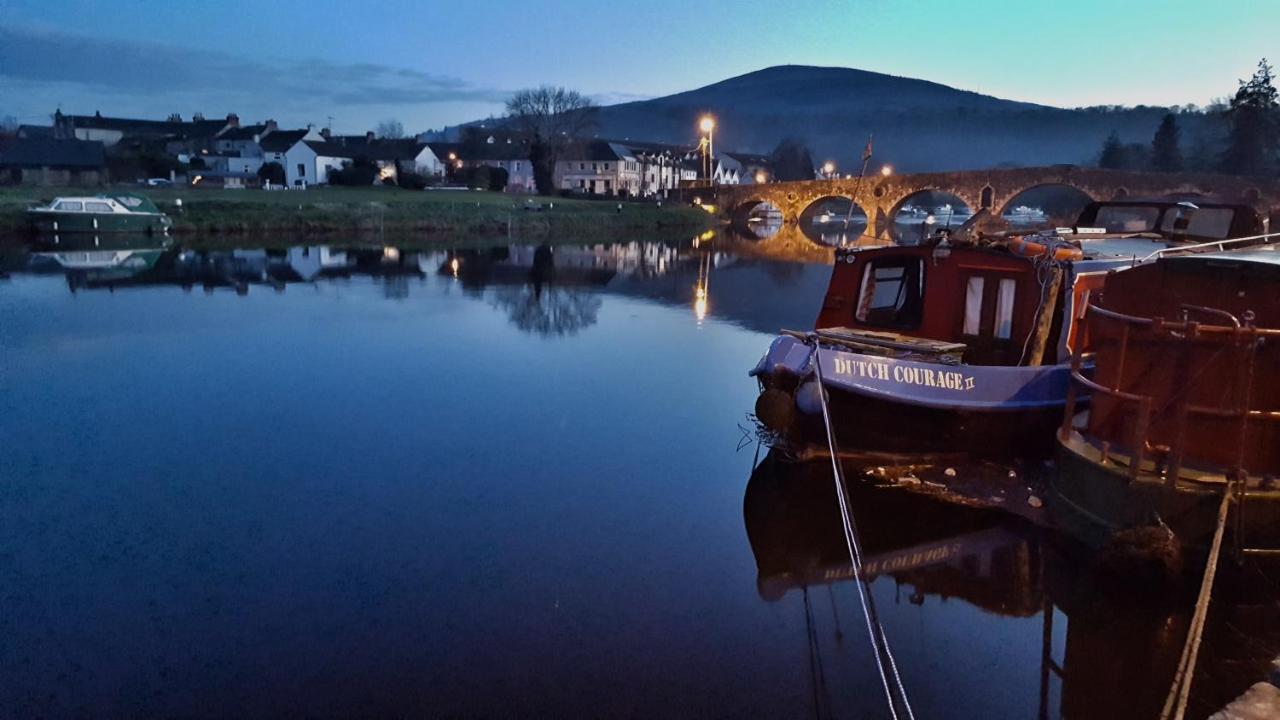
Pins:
x: 988, y: 193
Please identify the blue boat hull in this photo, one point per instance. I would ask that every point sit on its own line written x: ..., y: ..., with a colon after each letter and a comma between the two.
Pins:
x: 902, y: 405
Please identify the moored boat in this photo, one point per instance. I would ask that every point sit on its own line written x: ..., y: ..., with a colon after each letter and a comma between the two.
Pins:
x: 123, y: 212
x: 946, y: 347
x: 1185, y: 402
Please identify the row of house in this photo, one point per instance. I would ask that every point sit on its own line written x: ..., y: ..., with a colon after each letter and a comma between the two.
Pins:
x: 224, y: 152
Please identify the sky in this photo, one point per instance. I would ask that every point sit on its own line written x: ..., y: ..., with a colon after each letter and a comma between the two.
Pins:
x: 430, y: 64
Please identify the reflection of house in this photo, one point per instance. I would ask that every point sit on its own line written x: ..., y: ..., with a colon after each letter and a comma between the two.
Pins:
x: 45, y: 161
x: 598, y: 167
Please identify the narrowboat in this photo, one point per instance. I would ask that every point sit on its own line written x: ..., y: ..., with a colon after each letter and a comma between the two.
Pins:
x: 1185, y: 402
x: 964, y: 346
x: 99, y: 214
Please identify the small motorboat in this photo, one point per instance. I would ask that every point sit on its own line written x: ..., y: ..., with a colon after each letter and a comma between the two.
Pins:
x: 124, y: 212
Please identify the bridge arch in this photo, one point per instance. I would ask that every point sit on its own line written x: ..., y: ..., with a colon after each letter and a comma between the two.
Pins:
x: 962, y: 207
x: 1060, y: 201
x: 833, y: 219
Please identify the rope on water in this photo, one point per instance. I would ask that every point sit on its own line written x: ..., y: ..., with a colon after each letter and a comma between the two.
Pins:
x: 1175, y: 703
x: 897, y: 694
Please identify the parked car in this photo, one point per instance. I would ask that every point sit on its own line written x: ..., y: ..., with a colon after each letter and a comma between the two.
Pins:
x: 159, y: 182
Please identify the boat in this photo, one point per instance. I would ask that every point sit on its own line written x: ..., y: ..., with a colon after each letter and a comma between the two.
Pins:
x: 1185, y: 401
x: 955, y: 346
x: 123, y: 212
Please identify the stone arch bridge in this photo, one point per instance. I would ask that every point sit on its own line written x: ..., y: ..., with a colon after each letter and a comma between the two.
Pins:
x: 988, y: 193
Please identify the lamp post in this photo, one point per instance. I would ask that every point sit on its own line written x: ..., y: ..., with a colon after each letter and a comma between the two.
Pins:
x: 708, y: 125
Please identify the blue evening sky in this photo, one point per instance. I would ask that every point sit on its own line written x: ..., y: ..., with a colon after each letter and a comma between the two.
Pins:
x: 435, y: 63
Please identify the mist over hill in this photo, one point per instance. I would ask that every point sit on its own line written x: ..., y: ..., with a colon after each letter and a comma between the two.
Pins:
x: 918, y: 125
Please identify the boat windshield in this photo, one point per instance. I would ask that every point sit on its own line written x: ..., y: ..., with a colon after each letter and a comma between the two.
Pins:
x: 69, y: 206
x: 892, y: 293
x: 1127, y: 218
x: 1203, y: 222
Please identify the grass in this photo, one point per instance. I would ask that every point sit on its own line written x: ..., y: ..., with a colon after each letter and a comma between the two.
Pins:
x: 374, y: 209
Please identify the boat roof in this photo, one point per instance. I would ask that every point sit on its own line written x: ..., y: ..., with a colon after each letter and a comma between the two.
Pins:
x: 131, y: 201
x: 1257, y: 254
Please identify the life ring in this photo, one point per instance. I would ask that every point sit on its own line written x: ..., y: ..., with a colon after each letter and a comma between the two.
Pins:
x: 1031, y: 248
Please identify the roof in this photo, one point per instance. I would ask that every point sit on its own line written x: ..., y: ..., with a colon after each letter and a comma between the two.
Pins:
x: 243, y: 132
x: 282, y: 140
x: 132, y: 126
x: 596, y: 151
x: 362, y: 149
x: 1257, y: 254
x: 47, y: 152
x: 35, y: 131
x: 748, y: 159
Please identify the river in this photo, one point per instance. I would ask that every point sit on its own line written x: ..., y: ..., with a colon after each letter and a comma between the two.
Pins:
x: 343, y: 480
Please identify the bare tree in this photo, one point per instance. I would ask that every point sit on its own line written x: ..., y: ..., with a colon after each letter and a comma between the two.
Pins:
x: 552, y: 117
x: 390, y: 130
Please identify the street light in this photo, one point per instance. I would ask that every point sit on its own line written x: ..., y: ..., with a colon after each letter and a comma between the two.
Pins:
x: 761, y: 177
x: 828, y: 168
x: 707, y: 125
x: 887, y: 170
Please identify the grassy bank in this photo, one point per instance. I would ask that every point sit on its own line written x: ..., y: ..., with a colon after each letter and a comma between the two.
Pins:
x: 373, y: 209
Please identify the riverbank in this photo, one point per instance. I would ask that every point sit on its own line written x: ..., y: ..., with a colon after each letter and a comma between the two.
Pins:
x: 321, y: 210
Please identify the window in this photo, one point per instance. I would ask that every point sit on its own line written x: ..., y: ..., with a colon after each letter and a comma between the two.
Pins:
x: 582, y: 166
x: 302, y: 170
x: 97, y: 207
x: 1205, y: 222
x: 595, y: 167
x: 988, y: 307
x: 973, y: 305
x: 1127, y: 219
x: 70, y: 206
x: 1004, y: 308
x: 892, y: 293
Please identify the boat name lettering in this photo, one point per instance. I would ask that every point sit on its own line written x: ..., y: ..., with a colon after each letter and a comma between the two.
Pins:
x: 906, y: 374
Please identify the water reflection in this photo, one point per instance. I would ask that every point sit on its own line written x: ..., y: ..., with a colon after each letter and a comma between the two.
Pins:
x: 1106, y: 651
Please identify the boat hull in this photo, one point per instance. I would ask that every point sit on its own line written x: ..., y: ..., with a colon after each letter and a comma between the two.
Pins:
x: 1093, y: 498
x: 65, y: 222
x: 902, y: 405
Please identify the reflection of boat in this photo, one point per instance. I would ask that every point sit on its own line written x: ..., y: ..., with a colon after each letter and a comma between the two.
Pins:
x: 87, y: 260
x: 1185, y: 399
x: 99, y: 214
x: 1103, y: 651
x: 947, y: 347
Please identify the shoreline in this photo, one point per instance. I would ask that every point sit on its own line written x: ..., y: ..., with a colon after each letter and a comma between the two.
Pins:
x: 329, y: 210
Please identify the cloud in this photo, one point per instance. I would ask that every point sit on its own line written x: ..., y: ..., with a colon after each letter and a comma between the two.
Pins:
x: 91, y: 71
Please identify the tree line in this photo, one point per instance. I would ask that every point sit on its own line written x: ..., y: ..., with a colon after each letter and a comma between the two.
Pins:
x: 1239, y: 137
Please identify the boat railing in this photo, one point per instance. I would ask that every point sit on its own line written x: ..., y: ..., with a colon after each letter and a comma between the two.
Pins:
x: 1243, y: 336
x: 1223, y: 244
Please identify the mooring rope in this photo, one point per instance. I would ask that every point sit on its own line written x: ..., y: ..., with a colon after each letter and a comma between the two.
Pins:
x: 879, y: 641
x: 1175, y: 703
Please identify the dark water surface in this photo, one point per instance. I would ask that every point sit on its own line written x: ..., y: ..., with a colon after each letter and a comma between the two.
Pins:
x: 341, y: 483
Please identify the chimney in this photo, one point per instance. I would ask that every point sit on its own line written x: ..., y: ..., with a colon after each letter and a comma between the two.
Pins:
x: 368, y: 137
x: 269, y: 126
x: 233, y: 120
x: 197, y: 117
x: 174, y: 118
x: 324, y: 133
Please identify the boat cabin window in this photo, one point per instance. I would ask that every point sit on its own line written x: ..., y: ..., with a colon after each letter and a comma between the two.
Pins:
x: 70, y: 206
x: 97, y: 207
x: 1203, y: 222
x: 993, y: 294
x: 1127, y: 218
x: 892, y: 293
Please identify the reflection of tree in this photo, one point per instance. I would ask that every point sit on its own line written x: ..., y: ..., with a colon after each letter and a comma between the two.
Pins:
x: 551, y: 311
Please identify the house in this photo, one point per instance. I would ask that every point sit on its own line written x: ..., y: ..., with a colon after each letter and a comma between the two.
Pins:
x: 753, y: 168
x: 492, y: 148
x: 659, y: 166
x: 394, y: 156
x: 174, y: 134
x: 726, y: 170
x: 46, y: 161
x: 289, y: 149
x: 598, y: 167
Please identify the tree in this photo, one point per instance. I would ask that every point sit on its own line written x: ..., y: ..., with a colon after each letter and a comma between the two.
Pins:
x: 791, y: 160
x: 272, y: 172
x: 390, y: 130
x: 552, y: 117
x: 1253, y: 140
x: 1113, y: 155
x: 1166, y: 156
x: 358, y: 172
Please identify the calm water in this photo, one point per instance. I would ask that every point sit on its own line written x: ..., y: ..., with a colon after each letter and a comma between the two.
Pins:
x: 339, y: 483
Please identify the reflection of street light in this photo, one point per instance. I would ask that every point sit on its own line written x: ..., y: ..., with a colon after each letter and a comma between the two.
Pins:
x: 887, y: 170
x: 828, y: 168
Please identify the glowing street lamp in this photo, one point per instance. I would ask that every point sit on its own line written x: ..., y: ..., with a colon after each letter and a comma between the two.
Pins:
x: 887, y: 170
x: 828, y: 169
x: 707, y: 125
x: 761, y: 177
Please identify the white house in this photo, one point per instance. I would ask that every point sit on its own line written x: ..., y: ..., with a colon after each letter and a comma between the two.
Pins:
x: 598, y: 167
x: 289, y: 148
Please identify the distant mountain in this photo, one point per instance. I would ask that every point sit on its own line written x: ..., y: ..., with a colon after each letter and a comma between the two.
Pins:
x: 918, y: 125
